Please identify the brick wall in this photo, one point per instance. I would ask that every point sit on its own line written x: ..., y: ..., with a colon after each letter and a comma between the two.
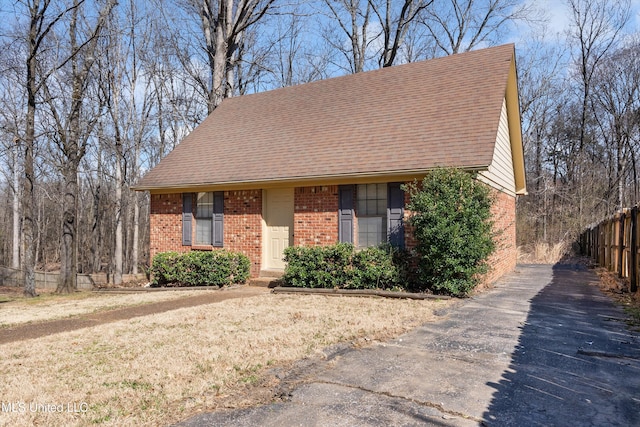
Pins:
x: 315, y: 216
x: 243, y: 225
x: 315, y: 223
x: 504, y: 216
x: 165, y: 224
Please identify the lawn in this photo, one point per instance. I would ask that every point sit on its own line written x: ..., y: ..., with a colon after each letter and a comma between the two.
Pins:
x: 162, y: 368
x: 16, y: 310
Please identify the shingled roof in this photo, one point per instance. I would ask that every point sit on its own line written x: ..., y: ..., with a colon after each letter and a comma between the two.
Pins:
x: 399, y: 120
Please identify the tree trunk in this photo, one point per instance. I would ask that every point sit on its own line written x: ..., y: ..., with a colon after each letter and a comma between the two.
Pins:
x: 219, y: 70
x: 96, y: 246
x: 117, y: 255
x: 15, y: 248
x: 28, y: 192
x: 136, y: 234
x: 69, y: 243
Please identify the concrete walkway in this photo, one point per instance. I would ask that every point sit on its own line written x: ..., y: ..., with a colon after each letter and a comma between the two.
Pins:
x: 544, y: 348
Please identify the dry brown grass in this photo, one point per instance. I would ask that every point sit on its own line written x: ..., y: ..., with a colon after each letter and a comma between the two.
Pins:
x: 618, y: 290
x: 543, y: 253
x: 49, y: 306
x: 158, y: 369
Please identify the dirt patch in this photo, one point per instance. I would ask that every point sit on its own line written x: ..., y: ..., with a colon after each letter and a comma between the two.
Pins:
x: 141, y: 306
x: 17, y: 309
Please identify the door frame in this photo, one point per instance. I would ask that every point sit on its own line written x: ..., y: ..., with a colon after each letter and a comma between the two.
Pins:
x: 266, y: 246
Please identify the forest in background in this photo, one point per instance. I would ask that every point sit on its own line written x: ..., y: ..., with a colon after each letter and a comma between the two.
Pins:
x: 93, y: 93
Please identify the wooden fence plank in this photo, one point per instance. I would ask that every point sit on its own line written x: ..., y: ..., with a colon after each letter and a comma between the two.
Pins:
x: 613, y: 244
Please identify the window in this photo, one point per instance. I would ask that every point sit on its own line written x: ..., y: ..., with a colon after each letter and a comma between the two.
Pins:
x: 204, y: 218
x: 371, y: 211
x: 208, y: 218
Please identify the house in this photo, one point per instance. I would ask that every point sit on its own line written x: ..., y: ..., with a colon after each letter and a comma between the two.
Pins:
x: 324, y: 162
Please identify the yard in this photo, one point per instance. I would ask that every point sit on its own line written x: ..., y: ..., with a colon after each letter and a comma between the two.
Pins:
x: 159, y: 369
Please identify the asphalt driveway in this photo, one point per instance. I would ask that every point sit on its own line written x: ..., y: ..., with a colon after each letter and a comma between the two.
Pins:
x: 544, y: 348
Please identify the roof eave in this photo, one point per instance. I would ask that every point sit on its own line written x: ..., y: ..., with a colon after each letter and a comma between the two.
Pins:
x: 335, y: 179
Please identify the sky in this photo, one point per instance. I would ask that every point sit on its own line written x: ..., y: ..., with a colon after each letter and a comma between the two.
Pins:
x: 559, y: 16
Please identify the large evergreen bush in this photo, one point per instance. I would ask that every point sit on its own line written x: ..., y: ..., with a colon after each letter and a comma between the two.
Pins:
x: 451, y: 216
x: 200, y: 268
x: 341, y: 266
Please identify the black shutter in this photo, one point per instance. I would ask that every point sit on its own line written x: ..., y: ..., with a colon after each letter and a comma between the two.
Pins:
x: 218, y: 219
x: 187, y: 217
x: 395, y: 213
x: 345, y: 213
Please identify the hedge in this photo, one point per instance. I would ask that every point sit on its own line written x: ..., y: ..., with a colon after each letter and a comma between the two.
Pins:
x: 200, y: 268
x: 340, y: 266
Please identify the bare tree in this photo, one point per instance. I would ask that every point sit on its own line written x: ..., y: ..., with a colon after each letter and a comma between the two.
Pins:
x: 11, y: 121
x: 616, y: 94
x: 396, y: 24
x: 462, y: 25
x: 595, y: 28
x: 290, y: 56
x: 72, y: 128
x: 353, y: 20
x: 541, y: 90
x: 129, y: 102
x: 224, y: 24
x: 40, y: 27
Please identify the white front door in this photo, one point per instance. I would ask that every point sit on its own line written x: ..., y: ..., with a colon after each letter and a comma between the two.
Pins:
x: 279, y: 220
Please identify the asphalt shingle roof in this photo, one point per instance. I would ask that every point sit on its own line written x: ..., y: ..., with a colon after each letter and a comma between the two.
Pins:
x: 412, y: 117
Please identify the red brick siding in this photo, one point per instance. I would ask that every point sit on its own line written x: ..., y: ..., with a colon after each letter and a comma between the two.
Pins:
x: 165, y: 224
x: 243, y: 225
x: 315, y: 216
x: 504, y: 216
x: 315, y: 224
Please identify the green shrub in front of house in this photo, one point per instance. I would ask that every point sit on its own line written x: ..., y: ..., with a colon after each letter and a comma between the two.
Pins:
x: 451, y: 217
x: 164, y: 268
x: 340, y: 266
x: 200, y: 268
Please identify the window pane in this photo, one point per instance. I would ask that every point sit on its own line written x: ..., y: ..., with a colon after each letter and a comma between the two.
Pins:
x: 203, y: 231
x: 204, y: 205
x: 381, y: 193
x: 362, y: 191
x: 362, y: 206
x: 371, y: 231
x: 371, y: 207
x: 204, y: 218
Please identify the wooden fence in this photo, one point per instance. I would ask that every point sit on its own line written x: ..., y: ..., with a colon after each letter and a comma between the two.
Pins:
x: 613, y: 244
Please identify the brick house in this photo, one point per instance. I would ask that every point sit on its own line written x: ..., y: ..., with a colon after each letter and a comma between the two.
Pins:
x: 323, y: 162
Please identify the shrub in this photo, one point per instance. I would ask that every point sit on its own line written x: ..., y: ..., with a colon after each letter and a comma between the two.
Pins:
x: 199, y: 268
x: 341, y: 266
x: 164, y: 268
x: 451, y: 216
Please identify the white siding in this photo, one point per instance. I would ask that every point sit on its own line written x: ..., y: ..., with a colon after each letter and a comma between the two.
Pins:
x: 500, y: 174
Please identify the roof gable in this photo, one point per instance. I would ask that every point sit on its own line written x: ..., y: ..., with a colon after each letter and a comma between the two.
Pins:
x: 398, y: 120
